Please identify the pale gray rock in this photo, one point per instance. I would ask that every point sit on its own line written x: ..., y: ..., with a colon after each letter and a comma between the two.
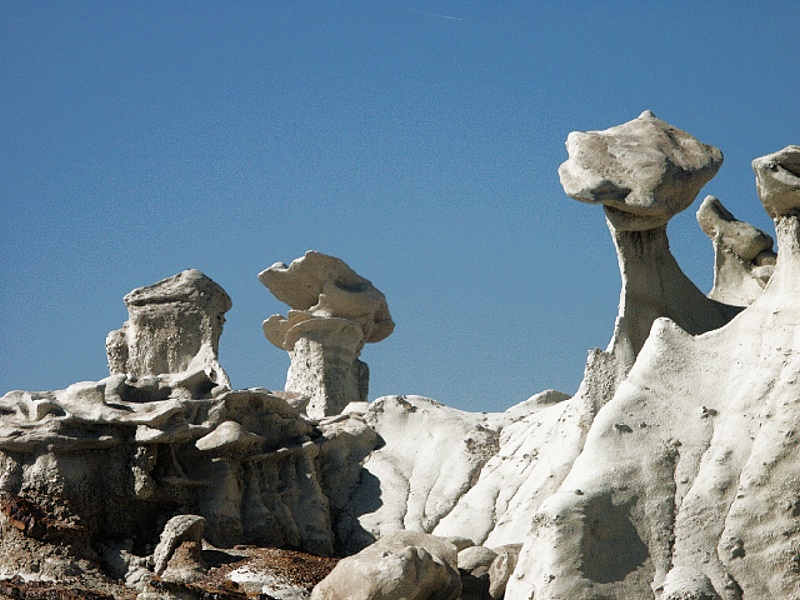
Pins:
x: 644, y: 171
x: 743, y: 256
x: 778, y: 181
x: 473, y: 565
x: 179, y: 529
x: 501, y: 569
x: 686, y: 583
x: 324, y: 285
x: 246, y: 461
x: 692, y: 462
x: 403, y: 565
x: 174, y: 326
x: 334, y: 313
x: 431, y: 456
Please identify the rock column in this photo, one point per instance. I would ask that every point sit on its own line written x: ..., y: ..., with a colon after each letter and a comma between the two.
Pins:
x: 335, y: 312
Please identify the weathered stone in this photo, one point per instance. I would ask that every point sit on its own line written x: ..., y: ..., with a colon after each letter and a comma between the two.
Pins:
x: 179, y: 529
x: 501, y: 569
x: 324, y: 285
x: 402, y: 565
x: 684, y: 583
x: 334, y: 313
x: 473, y: 565
x: 174, y: 326
x: 643, y: 171
x: 743, y: 256
x: 778, y: 181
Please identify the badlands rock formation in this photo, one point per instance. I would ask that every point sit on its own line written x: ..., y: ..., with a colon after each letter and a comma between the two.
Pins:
x: 173, y: 326
x: 671, y: 474
x: 334, y: 312
x: 743, y: 256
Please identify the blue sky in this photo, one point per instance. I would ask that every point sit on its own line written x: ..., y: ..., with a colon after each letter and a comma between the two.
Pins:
x: 417, y: 141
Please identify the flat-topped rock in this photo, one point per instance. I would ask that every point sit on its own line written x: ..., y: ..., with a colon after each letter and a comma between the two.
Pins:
x: 174, y: 326
x: 643, y: 171
x: 778, y: 181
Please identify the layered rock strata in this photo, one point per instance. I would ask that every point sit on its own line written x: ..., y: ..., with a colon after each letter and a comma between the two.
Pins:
x: 334, y: 313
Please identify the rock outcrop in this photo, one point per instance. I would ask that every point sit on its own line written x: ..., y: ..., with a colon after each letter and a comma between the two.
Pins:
x: 101, y: 466
x: 688, y: 478
x: 174, y: 326
x: 671, y: 474
x: 334, y: 313
x: 743, y: 256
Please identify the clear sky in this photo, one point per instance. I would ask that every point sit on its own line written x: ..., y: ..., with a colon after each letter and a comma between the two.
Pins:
x: 417, y: 141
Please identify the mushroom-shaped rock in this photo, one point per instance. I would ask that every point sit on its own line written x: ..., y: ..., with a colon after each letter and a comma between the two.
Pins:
x: 323, y: 285
x: 402, y: 565
x: 743, y: 256
x: 334, y: 313
x: 644, y: 171
x: 778, y: 181
x: 174, y: 326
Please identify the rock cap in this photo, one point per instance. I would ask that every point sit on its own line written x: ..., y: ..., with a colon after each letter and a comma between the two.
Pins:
x: 644, y: 171
x: 325, y: 286
x: 778, y: 181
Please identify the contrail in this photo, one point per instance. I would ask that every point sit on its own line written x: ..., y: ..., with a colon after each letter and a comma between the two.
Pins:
x: 438, y: 16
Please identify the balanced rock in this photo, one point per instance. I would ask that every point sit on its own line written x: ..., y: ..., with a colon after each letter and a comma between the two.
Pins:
x: 778, y: 181
x: 743, y: 256
x: 403, y: 565
x: 643, y: 171
x: 174, y: 326
x: 334, y: 313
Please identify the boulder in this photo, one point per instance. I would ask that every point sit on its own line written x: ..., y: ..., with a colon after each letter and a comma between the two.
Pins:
x: 403, y: 565
x: 778, y: 181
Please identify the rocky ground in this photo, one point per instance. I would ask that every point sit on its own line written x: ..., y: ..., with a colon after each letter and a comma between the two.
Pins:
x: 244, y: 572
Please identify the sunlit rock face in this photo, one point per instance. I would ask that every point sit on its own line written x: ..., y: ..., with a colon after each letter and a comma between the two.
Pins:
x: 334, y: 313
x: 778, y: 181
x: 671, y: 474
x: 743, y: 255
x: 173, y: 326
x: 687, y: 483
x: 644, y: 171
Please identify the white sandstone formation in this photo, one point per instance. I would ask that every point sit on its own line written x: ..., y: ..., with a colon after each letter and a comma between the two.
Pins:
x: 689, y: 475
x: 173, y: 327
x: 334, y: 313
x: 671, y: 474
x: 743, y: 256
x: 112, y: 460
x: 644, y: 172
x: 400, y: 566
